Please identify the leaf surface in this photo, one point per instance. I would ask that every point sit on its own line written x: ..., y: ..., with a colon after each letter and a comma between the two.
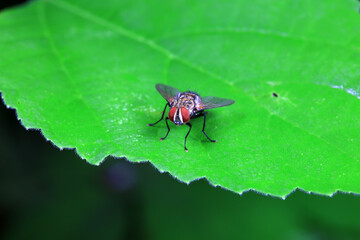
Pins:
x: 85, y: 73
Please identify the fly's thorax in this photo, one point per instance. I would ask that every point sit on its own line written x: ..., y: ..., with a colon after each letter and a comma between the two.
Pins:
x: 188, y: 100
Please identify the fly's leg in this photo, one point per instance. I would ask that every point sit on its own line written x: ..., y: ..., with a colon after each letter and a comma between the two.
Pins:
x: 203, y: 130
x: 166, y: 120
x: 187, y: 136
x: 162, y: 116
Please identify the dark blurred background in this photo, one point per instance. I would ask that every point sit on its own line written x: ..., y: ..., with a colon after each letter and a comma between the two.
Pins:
x: 46, y: 193
x: 11, y: 3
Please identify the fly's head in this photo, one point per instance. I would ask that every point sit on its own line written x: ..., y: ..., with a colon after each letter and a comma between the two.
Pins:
x: 179, y: 115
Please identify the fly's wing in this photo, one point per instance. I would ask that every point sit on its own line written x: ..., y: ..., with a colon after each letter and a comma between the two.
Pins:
x: 214, y: 102
x: 167, y: 92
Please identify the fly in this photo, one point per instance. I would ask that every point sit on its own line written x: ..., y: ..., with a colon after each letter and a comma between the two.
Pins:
x: 185, y: 106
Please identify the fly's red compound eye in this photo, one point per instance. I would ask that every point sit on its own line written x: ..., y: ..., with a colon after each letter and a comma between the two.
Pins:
x: 172, y: 113
x: 185, y: 115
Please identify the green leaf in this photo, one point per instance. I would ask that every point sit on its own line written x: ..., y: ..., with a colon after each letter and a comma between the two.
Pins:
x: 85, y: 73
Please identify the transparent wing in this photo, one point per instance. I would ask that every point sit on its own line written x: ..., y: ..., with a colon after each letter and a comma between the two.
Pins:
x: 167, y: 92
x: 214, y: 102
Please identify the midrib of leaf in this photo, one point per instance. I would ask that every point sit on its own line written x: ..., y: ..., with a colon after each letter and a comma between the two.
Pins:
x: 151, y: 44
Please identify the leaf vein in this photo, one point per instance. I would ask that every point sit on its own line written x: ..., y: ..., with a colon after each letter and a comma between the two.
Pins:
x: 261, y: 32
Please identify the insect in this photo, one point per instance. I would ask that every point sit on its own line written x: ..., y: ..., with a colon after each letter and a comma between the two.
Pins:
x: 185, y: 106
